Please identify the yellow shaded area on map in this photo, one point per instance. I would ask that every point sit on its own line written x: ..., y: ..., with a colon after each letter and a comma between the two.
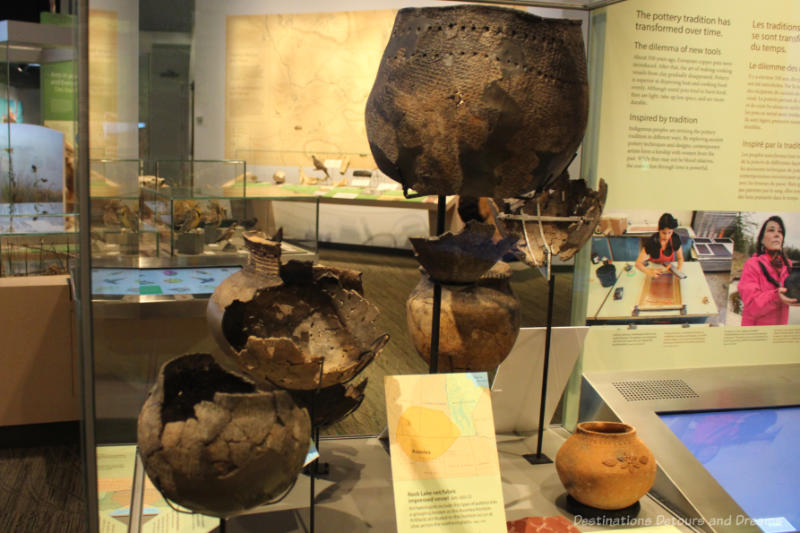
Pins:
x: 425, y: 434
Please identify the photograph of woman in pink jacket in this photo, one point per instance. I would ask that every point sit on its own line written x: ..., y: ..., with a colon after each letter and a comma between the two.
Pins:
x: 761, y: 284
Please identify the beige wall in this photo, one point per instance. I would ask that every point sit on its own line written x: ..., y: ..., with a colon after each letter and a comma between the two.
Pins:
x: 38, y: 354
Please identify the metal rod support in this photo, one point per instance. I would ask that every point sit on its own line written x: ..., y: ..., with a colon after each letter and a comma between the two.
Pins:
x: 433, y: 367
x: 84, y: 285
x: 437, y: 311
x: 546, y: 365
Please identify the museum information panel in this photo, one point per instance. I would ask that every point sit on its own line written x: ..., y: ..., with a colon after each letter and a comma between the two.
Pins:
x: 701, y: 105
x: 445, y: 467
x: 298, y: 82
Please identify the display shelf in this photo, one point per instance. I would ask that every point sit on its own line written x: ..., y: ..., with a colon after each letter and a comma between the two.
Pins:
x: 348, y: 179
x: 201, y: 208
x: 36, y: 243
x: 358, y: 490
x: 39, y: 253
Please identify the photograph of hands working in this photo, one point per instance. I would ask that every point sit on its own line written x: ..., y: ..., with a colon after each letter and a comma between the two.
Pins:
x: 649, y: 273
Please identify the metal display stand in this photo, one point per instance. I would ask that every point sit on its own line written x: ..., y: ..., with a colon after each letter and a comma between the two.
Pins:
x: 437, y: 294
x: 441, y: 211
x: 539, y: 458
x: 547, y: 272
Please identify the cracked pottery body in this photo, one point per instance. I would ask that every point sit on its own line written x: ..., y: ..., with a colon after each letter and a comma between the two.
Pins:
x: 214, y: 443
x: 296, y: 326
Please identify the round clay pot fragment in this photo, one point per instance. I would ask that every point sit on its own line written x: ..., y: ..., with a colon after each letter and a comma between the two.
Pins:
x: 331, y: 404
x: 214, y: 443
x: 461, y: 257
x: 564, y: 198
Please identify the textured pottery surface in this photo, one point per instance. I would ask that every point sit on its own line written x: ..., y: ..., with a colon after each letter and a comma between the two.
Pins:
x: 461, y: 257
x: 298, y: 326
x: 478, y: 100
x: 564, y: 198
x: 479, y: 322
x: 605, y: 465
x: 214, y: 443
x: 792, y: 283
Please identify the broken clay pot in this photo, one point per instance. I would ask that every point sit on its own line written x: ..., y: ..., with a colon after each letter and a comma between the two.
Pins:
x: 461, y: 257
x: 214, y: 443
x: 297, y: 326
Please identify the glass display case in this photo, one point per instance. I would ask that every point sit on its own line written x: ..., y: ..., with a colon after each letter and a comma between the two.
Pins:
x: 275, y: 131
x: 201, y: 208
x: 122, y: 227
x: 37, y: 176
x: 29, y: 248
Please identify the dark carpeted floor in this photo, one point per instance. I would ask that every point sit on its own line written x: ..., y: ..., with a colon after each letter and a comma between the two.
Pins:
x: 41, y: 485
x: 40, y: 468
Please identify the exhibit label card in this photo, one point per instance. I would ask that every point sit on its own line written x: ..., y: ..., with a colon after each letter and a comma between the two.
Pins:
x: 444, y: 455
x: 700, y: 105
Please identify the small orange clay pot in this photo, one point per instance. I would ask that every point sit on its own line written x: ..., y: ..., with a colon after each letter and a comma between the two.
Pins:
x: 605, y: 465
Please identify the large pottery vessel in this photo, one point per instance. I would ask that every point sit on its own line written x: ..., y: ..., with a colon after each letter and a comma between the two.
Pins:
x: 214, y: 443
x: 478, y: 100
x: 605, y: 465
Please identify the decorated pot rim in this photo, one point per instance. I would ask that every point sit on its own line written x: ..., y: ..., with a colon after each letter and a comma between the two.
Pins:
x: 609, y: 429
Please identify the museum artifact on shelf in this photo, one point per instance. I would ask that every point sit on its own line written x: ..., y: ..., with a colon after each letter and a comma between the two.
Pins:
x: 556, y: 221
x: 605, y: 465
x: 478, y: 100
x: 297, y: 326
x: 214, y: 442
x: 479, y: 313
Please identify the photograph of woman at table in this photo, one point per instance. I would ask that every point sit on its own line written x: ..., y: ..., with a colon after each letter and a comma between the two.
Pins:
x: 661, y: 248
x: 761, y: 284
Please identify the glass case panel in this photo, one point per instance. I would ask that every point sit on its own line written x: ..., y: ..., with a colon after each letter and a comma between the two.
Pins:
x: 37, y: 223
x: 36, y: 253
x: 155, y: 310
x: 199, y: 209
